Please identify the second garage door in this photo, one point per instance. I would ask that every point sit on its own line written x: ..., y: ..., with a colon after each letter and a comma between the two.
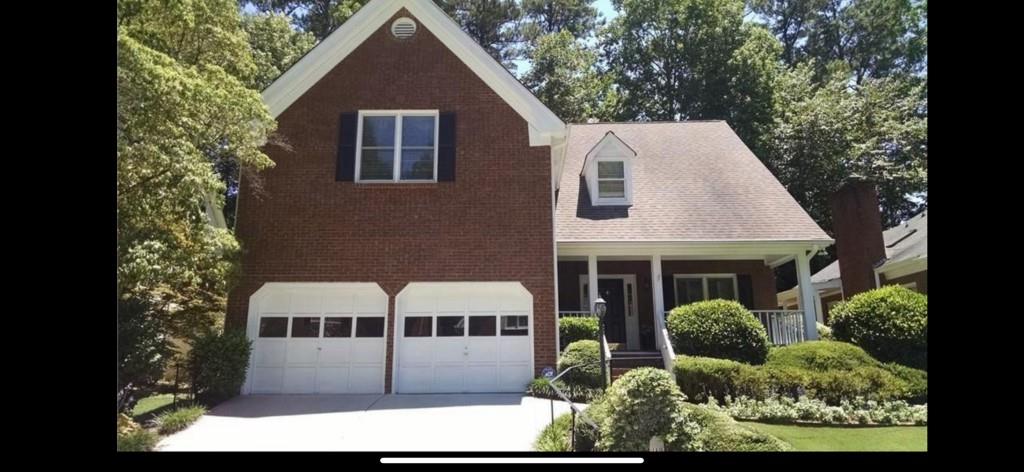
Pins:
x: 456, y: 337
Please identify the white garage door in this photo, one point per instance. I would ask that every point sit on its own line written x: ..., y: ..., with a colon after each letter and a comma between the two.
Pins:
x: 317, y: 338
x: 464, y: 337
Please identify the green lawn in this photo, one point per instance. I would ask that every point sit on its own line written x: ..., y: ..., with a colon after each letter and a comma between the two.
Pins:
x: 150, y: 404
x: 838, y: 438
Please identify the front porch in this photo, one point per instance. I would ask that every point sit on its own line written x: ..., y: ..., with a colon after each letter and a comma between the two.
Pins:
x: 639, y: 280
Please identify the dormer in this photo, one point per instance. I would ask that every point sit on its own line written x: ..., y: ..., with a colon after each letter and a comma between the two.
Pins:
x: 608, y: 170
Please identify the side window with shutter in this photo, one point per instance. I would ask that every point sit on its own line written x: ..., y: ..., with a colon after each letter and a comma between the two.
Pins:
x: 346, y: 169
x: 446, y: 147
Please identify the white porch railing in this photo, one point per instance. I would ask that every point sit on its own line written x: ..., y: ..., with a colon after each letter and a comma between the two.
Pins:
x: 664, y: 343
x: 577, y: 314
x: 783, y: 326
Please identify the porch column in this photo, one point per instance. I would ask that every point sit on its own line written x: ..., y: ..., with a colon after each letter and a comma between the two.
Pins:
x: 656, y: 292
x: 803, y: 275
x: 592, y: 281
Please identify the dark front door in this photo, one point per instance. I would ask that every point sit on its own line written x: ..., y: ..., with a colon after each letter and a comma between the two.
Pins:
x: 615, y: 318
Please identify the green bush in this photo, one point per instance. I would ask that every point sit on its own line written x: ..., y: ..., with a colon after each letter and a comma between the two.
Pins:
x: 179, y: 419
x: 824, y: 332
x: 890, y: 323
x: 555, y: 436
x: 218, y: 363
x: 821, y: 356
x: 587, y: 355
x: 830, y: 371
x: 137, y: 440
x: 575, y: 328
x: 700, y: 378
x: 143, y: 350
x: 718, y: 328
x: 916, y: 379
x: 641, y: 404
x: 720, y: 433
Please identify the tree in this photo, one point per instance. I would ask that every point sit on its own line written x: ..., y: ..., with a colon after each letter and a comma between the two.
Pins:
x: 318, y: 17
x: 275, y: 45
x: 544, y: 17
x: 566, y: 78
x: 693, y: 59
x: 494, y: 24
x: 789, y: 21
x: 182, y: 107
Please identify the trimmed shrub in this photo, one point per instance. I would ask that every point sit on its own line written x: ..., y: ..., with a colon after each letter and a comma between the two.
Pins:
x: 890, y: 323
x: 137, y: 440
x: 541, y: 388
x: 555, y: 436
x: 641, y: 404
x: 586, y: 354
x: 916, y: 379
x: 218, y: 363
x: 821, y: 356
x: 700, y: 378
x: 718, y: 328
x: 805, y: 410
x: 179, y: 419
x: 143, y: 350
x: 824, y: 332
x: 576, y: 328
x: 720, y: 433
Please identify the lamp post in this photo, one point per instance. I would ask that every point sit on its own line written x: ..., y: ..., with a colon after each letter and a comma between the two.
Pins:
x: 600, y: 308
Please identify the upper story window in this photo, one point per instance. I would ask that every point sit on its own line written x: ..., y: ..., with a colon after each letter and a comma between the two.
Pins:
x: 608, y: 171
x: 397, y: 146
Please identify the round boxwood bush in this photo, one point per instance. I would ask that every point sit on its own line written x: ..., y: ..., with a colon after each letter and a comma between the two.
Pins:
x: 700, y: 378
x: 890, y: 323
x: 218, y: 362
x: 576, y: 328
x: 641, y: 404
x: 916, y: 379
x: 718, y: 328
x: 587, y: 355
x: 720, y: 433
x: 821, y: 356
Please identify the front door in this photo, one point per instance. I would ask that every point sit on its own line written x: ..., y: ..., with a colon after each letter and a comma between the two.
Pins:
x: 611, y: 290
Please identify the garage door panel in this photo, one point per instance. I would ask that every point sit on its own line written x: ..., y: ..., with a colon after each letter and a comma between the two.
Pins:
x: 304, y: 303
x: 417, y: 351
x: 483, y: 350
x: 370, y: 304
x: 515, y: 376
x: 514, y: 349
x: 332, y: 380
x: 335, y: 352
x: 482, y: 378
x: 448, y: 376
x: 367, y: 350
x: 276, y: 303
x: 268, y: 379
x: 302, y: 352
x: 300, y: 380
x: 269, y: 353
x: 449, y: 350
x: 366, y: 379
x: 338, y: 304
x: 415, y: 379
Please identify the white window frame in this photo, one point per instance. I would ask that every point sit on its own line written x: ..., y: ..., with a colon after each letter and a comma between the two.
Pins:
x: 624, y: 179
x: 704, y: 284
x: 610, y: 149
x: 396, y: 172
x: 517, y: 327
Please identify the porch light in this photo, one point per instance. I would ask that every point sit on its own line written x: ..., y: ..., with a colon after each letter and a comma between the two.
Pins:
x: 600, y: 307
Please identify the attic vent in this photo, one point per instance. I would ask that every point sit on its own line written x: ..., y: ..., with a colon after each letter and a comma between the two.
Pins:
x: 403, y: 28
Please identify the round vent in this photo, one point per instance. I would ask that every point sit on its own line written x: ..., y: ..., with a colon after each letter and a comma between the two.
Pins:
x: 403, y: 28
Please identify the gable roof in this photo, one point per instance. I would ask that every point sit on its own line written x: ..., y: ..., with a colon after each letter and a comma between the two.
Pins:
x: 903, y: 242
x: 692, y: 181
x: 545, y: 126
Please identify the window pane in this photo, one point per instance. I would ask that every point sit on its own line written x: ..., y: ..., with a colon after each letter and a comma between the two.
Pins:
x: 370, y: 327
x: 515, y: 326
x: 451, y: 325
x: 273, y: 327
x: 611, y: 170
x: 417, y: 131
x: 338, y: 327
x: 306, y: 327
x: 721, y: 287
x: 689, y: 291
x: 377, y: 164
x: 379, y: 131
x: 418, y: 326
x: 482, y: 325
x: 611, y: 188
x: 417, y: 164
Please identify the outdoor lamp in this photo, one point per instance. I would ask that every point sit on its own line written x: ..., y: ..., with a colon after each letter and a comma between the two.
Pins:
x: 600, y: 308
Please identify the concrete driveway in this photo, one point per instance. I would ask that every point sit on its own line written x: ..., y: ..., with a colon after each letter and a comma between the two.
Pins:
x: 450, y: 422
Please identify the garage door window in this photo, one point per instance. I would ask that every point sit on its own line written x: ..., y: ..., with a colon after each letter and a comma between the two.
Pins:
x: 482, y: 325
x: 418, y: 326
x: 337, y: 327
x: 370, y: 327
x: 305, y: 327
x: 449, y: 326
x: 273, y: 327
x: 515, y: 326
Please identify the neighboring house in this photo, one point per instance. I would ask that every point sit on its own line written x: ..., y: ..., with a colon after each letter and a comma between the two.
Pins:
x: 905, y: 262
x: 408, y: 239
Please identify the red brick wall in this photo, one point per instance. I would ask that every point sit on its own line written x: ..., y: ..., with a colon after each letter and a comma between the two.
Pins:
x: 493, y: 223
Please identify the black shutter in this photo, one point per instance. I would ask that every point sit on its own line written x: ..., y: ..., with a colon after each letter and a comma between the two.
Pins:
x: 746, y: 288
x: 669, y: 289
x: 346, y: 170
x: 446, y: 147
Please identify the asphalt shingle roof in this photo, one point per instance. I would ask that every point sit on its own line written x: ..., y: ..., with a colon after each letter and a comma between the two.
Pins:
x: 902, y: 242
x: 692, y: 180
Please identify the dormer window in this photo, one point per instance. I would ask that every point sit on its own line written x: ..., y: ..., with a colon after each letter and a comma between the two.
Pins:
x: 608, y: 171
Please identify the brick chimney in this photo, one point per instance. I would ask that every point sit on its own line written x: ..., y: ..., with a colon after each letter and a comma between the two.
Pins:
x: 857, y: 222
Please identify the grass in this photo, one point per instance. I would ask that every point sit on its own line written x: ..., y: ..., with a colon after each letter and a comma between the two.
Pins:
x: 847, y: 438
x: 151, y: 404
x: 179, y: 419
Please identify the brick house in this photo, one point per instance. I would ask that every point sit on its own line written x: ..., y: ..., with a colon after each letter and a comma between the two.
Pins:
x: 429, y: 220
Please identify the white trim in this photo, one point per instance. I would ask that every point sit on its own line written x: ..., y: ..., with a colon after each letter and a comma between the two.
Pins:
x: 610, y: 149
x: 396, y: 171
x: 632, y: 323
x: 704, y: 283
x: 668, y: 249
x: 543, y: 124
x: 895, y: 270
